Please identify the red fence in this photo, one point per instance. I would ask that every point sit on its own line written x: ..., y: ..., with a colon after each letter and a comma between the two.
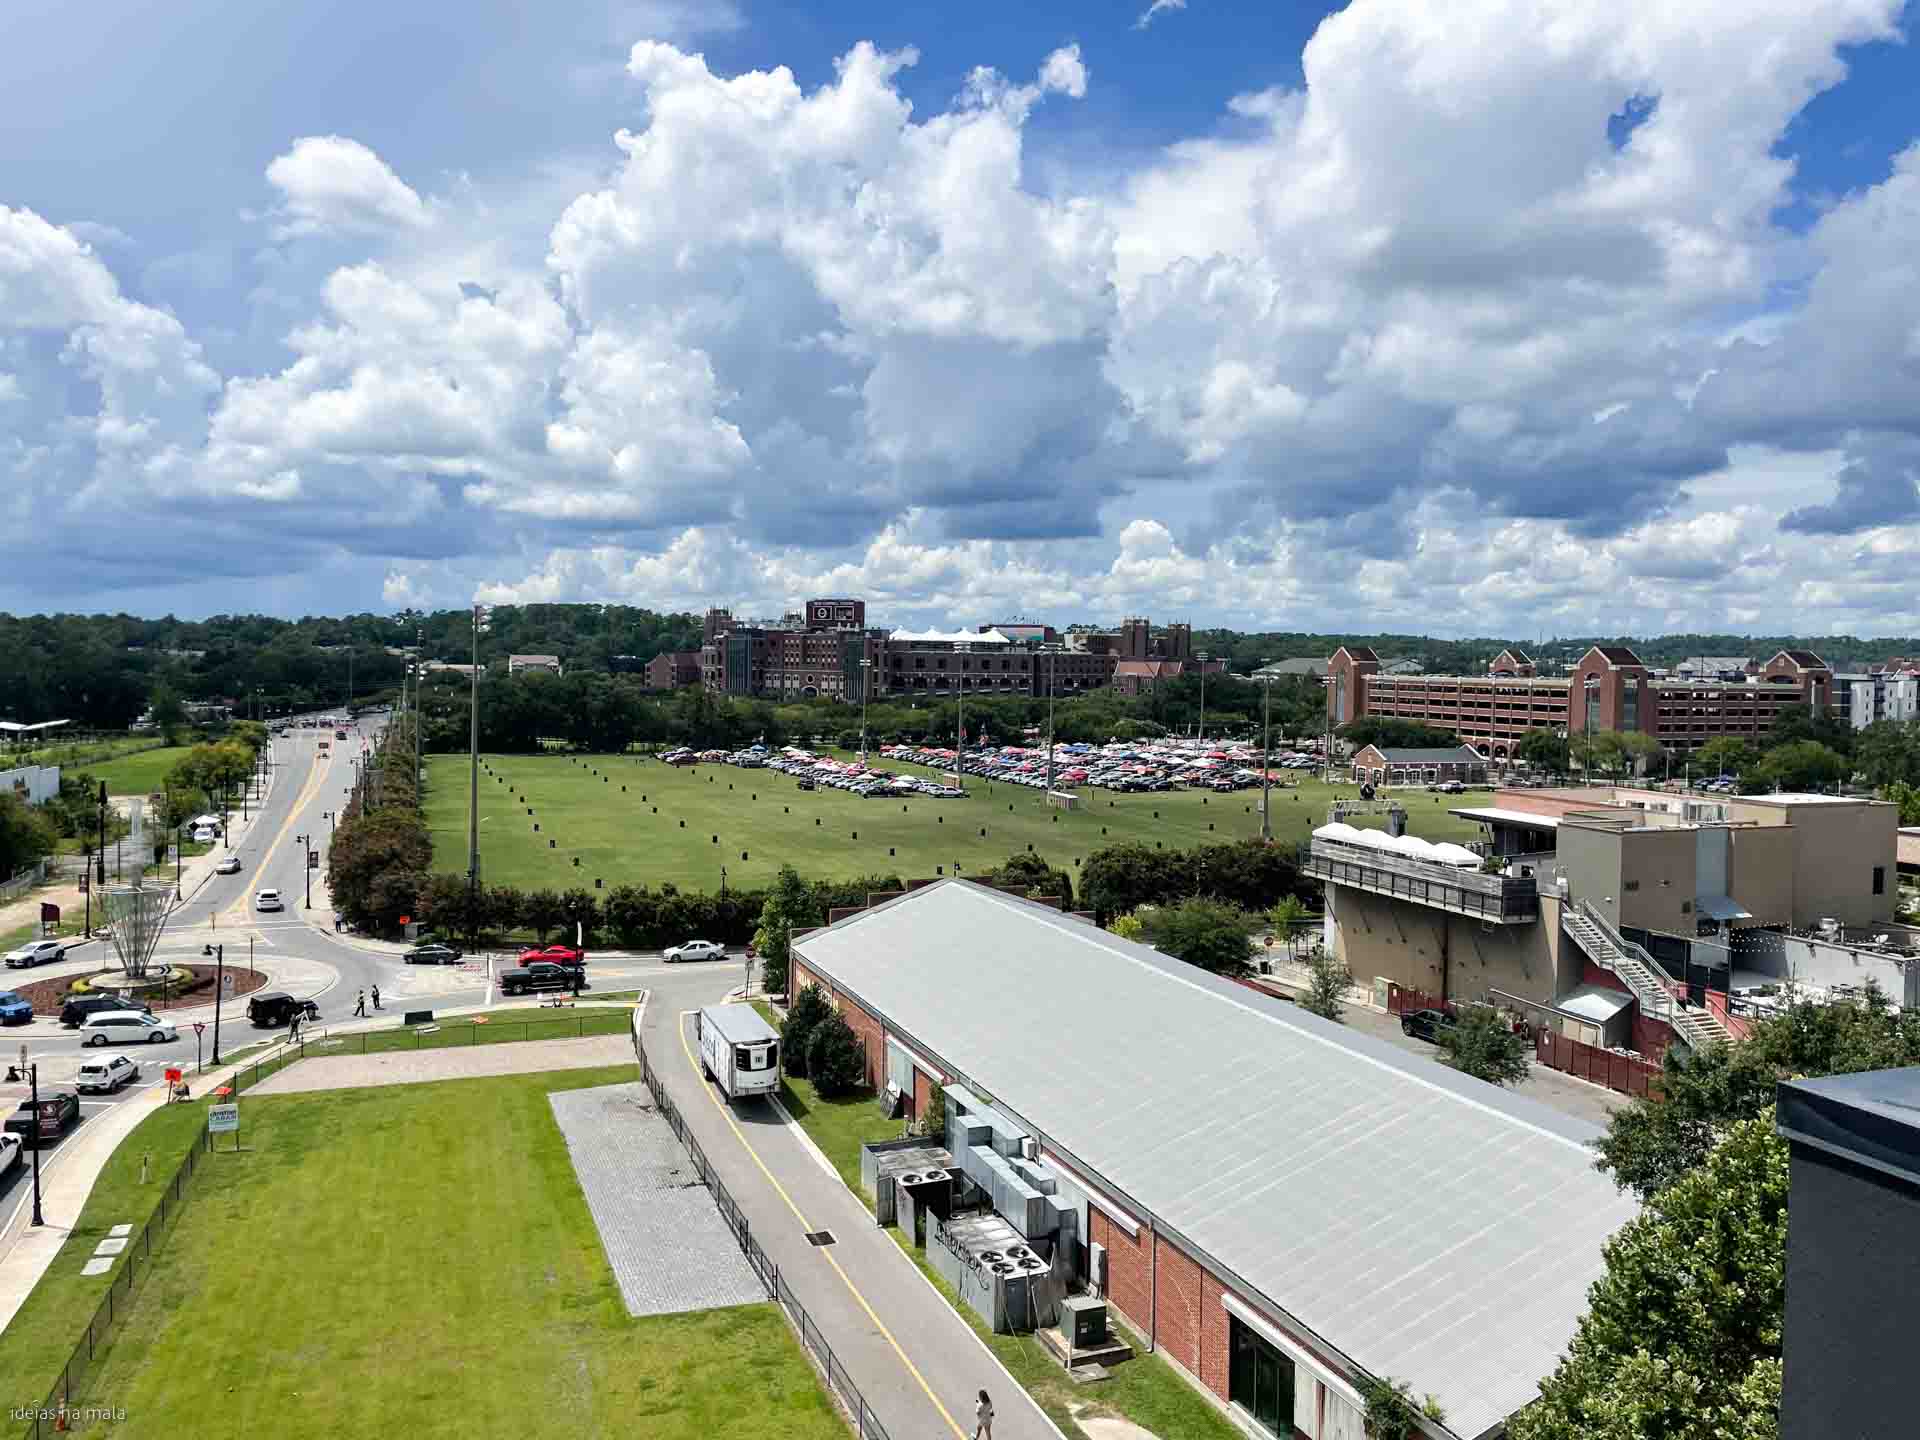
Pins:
x: 1623, y: 1073
x: 1401, y: 1001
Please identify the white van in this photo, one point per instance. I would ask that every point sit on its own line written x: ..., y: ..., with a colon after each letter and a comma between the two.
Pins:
x: 738, y: 1050
x: 125, y: 1027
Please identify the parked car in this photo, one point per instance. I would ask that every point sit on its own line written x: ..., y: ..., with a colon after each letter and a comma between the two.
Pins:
x: 1426, y: 1024
x: 696, y: 950
x: 15, y: 1008
x: 274, y: 1008
x: 555, y: 954
x: 807, y: 785
x: 228, y: 866
x: 268, y: 900
x: 37, y: 952
x: 125, y: 1027
x: 543, y: 975
x: 11, y: 1154
x: 81, y: 1006
x: 57, y: 1112
x: 103, y: 1077
x: 433, y: 954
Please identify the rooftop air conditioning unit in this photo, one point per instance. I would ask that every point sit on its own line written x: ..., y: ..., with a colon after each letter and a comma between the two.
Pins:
x: 1028, y: 1149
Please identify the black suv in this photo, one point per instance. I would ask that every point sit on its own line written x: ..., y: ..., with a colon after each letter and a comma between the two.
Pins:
x: 275, y: 1008
x: 1426, y: 1025
x: 541, y: 975
x: 57, y: 1112
x: 76, y: 1010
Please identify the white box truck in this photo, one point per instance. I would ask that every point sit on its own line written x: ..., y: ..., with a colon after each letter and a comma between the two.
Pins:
x: 739, y: 1051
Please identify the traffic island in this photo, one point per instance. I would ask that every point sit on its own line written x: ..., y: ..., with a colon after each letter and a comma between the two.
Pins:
x: 183, y: 987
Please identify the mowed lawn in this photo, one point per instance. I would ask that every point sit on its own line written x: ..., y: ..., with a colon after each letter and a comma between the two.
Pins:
x: 141, y: 774
x: 661, y: 827
x: 419, y: 1260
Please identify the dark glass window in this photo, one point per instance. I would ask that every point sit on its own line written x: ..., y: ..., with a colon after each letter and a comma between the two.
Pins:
x: 1879, y: 879
x: 1259, y: 1378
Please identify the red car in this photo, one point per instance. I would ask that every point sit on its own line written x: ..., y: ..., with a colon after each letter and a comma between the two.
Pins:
x: 554, y: 955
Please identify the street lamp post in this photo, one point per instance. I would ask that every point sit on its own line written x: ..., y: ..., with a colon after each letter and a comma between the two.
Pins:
x: 962, y: 650
x: 473, y: 771
x: 866, y: 684
x: 33, y: 1077
x: 179, y: 840
x: 306, y: 866
x: 219, y: 988
x: 1266, y: 757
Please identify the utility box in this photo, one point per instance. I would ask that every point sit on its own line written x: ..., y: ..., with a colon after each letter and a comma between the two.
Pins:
x: 1083, y: 1319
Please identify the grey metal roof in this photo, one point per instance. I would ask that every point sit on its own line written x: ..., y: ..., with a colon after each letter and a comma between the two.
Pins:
x: 1426, y: 1225
x: 1871, y: 1117
x: 1594, y: 1002
x: 1433, y: 755
x: 1496, y: 815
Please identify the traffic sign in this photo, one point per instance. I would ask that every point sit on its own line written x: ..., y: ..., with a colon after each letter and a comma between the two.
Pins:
x: 221, y: 1119
x: 199, y: 1027
x: 173, y: 1076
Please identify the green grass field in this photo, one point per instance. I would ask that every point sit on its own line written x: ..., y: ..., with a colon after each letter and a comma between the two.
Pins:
x: 140, y: 774
x: 661, y: 827
x: 419, y: 1260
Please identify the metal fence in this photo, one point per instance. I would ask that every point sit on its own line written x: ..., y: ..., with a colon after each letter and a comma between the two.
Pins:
x: 58, y: 1414
x: 866, y: 1424
x: 23, y: 882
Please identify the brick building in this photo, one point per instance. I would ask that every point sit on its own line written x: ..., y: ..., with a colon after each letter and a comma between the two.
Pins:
x: 674, y: 670
x: 1610, y: 689
x: 1279, y: 1207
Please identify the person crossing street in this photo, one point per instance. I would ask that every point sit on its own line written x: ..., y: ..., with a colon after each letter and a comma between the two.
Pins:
x: 360, y: 1004
x: 376, y: 997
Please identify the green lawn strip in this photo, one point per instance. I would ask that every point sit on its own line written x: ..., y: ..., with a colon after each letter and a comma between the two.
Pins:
x: 138, y: 774
x: 420, y: 1260
x: 54, y: 1318
x: 499, y: 1028
x: 619, y: 839
x: 838, y: 1127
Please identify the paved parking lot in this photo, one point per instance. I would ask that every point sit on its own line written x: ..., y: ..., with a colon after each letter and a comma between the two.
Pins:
x: 665, y: 1240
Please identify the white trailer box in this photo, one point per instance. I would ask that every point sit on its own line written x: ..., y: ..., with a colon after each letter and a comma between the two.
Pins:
x: 739, y: 1051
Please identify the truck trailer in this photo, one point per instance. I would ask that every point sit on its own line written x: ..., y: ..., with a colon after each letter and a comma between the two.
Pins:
x: 739, y: 1051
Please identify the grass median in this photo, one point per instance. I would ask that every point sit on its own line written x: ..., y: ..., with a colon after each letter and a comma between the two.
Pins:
x: 664, y: 824
x: 420, y: 1260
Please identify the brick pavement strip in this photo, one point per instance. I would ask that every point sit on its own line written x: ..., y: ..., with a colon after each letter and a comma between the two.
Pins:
x: 664, y: 1239
x: 449, y: 1062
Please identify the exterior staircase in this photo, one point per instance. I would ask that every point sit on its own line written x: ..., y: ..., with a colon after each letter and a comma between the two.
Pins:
x: 1652, y: 986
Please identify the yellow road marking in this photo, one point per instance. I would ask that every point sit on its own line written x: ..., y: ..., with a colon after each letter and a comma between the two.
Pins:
x: 781, y: 1190
x: 239, y: 906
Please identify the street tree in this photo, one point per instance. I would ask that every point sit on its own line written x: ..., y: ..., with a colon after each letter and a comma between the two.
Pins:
x: 168, y: 710
x: 789, y: 906
x: 1724, y: 755
x: 1206, y: 933
x: 1286, y: 917
x: 1802, y: 765
x: 543, y: 912
x: 1543, y: 750
x: 809, y: 1008
x: 1682, y: 1339
x: 1483, y: 1045
x: 835, y: 1062
x: 1328, y: 980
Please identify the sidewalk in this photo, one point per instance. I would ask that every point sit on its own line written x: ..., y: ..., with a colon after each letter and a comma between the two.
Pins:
x: 917, y: 1362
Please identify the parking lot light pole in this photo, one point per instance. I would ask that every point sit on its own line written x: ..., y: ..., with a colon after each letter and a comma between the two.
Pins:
x: 866, y: 678
x: 1052, y: 651
x: 960, y: 692
x: 1203, y: 657
x: 1266, y: 757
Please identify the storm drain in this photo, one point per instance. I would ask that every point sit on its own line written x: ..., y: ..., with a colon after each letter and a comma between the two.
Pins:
x: 819, y: 1237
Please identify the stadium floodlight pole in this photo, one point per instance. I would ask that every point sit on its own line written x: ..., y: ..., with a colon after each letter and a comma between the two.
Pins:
x: 473, y: 769
x: 1202, y: 657
x: 962, y: 649
x: 1266, y: 757
x: 1052, y: 651
x: 866, y: 679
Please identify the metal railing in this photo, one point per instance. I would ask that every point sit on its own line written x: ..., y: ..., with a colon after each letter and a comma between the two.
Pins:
x: 23, y: 882
x: 1700, y: 1028
x: 866, y: 1424
x: 1504, y: 898
x: 58, y: 1414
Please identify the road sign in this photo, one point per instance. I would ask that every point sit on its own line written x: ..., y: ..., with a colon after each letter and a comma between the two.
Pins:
x: 226, y: 982
x: 199, y: 1027
x: 222, y: 1119
x: 313, y: 860
x: 173, y: 1076
x: 49, y: 913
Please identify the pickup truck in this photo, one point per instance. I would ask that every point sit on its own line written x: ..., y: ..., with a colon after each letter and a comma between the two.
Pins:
x: 541, y: 975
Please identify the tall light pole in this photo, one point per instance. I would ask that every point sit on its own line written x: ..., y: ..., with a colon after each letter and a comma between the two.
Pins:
x: 1202, y: 657
x: 1051, y: 652
x: 306, y: 866
x: 961, y: 649
x: 866, y: 679
x: 473, y: 771
x: 419, y: 674
x: 1266, y: 755
x: 33, y: 1079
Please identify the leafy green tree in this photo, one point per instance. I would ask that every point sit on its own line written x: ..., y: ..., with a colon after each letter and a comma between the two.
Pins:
x: 1392, y: 1413
x: 169, y: 712
x: 1288, y: 915
x: 804, y: 1015
x: 1802, y: 765
x: 1129, y: 927
x: 1543, y: 750
x: 542, y: 913
x: 1888, y: 753
x: 1724, y: 755
x: 580, y: 912
x: 1328, y: 980
x: 1386, y: 731
x: 1205, y: 933
x: 1907, y: 799
x: 1682, y: 1339
x: 1483, y: 1045
x: 1794, y: 723
x: 835, y: 1062
x: 1039, y: 878
x: 26, y: 836
x: 789, y: 906
x: 1653, y: 1143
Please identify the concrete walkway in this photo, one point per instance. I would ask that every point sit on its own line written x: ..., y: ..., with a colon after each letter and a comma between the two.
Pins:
x: 916, y: 1361
x: 446, y: 1062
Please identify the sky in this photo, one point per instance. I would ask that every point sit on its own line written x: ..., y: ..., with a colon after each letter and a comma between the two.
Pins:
x: 1498, y: 317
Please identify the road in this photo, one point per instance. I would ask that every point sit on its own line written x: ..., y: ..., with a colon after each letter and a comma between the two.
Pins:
x: 296, y: 947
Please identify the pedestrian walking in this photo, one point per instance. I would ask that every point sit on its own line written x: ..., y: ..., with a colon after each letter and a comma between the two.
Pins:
x: 360, y: 1005
x: 293, y: 1029
x: 983, y: 1418
x: 376, y: 997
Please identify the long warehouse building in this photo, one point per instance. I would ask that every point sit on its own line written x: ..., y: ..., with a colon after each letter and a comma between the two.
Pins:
x: 1285, y: 1206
